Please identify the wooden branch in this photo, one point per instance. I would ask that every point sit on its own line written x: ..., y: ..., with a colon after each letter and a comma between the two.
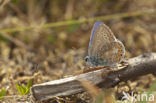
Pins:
x: 64, y: 87
x: 14, y: 40
x: 137, y: 66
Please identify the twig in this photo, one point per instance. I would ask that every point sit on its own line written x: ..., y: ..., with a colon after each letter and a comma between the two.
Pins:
x: 71, y: 22
x: 69, y: 9
x: 3, y: 3
x: 14, y: 40
x: 18, y: 11
x: 137, y: 66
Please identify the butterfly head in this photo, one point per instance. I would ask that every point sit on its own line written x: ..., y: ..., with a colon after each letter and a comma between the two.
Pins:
x: 86, y: 58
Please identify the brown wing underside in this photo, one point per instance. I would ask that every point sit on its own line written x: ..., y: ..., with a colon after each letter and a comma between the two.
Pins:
x: 113, y: 53
x: 102, y: 37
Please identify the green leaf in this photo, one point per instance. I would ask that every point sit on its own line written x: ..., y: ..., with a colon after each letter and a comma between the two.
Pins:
x: 24, y: 90
x: 29, y: 84
x: 19, y: 89
x: 2, y: 93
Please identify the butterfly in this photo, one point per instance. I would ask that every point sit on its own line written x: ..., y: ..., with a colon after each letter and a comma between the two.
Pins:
x: 104, y: 48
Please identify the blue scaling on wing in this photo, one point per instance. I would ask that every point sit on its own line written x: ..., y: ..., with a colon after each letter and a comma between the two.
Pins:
x: 96, y: 26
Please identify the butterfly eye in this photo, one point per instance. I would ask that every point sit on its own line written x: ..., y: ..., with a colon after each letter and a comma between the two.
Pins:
x: 86, y: 58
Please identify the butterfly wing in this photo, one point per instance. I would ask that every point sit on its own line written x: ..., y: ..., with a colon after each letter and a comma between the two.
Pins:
x: 101, y: 36
x: 96, y: 26
x: 113, y: 54
x: 119, y: 55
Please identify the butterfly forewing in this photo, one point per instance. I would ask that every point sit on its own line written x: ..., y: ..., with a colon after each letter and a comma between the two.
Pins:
x: 101, y: 37
x: 96, y: 26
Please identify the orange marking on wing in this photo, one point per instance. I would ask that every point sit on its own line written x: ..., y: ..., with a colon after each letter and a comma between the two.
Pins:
x: 117, y: 59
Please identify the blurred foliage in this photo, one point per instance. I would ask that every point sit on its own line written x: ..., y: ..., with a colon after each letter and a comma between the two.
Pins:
x: 51, y: 38
x: 3, y: 39
x: 152, y: 87
x: 73, y: 28
x: 2, y: 93
x: 105, y: 97
x: 151, y: 90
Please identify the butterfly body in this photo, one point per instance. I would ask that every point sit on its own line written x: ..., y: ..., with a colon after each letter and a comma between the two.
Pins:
x: 104, y: 48
x: 99, y: 61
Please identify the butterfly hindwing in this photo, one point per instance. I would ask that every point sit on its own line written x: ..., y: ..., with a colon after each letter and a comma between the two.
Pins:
x: 120, y: 51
